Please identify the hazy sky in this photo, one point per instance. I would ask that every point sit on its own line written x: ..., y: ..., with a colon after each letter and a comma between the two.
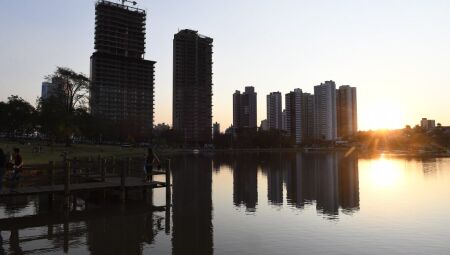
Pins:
x: 396, y: 52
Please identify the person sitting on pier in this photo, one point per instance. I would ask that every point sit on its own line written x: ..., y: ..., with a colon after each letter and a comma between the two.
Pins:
x: 150, y: 160
x: 2, y: 167
x: 17, y: 166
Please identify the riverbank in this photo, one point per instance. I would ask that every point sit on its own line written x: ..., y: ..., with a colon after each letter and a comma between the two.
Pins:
x: 34, y: 153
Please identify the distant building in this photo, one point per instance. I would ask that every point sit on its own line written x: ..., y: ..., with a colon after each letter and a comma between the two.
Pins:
x: 229, y: 130
x: 216, y: 129
x: 122, y: 81
x: 307, y: 117
x: 293, y: 101
x: 427, y: 124
x: 245, y: 109
x: 325, y: 120
x: 192, y: 86
x: 264, y: 125
x: 274, y: 103
x: 347, y: 119
x: 46, y: 90
x: 283, y: 120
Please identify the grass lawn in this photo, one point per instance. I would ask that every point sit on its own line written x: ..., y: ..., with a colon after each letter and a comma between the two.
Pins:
x: 54, y: 153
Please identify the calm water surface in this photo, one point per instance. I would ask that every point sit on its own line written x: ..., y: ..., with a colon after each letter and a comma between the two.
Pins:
x: 270, y: 203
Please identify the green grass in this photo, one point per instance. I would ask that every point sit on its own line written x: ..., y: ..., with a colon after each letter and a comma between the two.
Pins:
x: 55, y: 152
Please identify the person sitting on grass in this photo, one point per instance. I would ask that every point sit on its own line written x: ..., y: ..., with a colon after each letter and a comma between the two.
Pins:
x: 150, y: 160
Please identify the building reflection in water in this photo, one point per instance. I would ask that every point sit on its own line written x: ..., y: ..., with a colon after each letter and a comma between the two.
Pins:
x: 330, y: 180
x: 273, y: 169
x: 192, y: 231
x: 245, y: 183
x: 327, y: 180
x: 429, y: 166
x: 122, y: 235
x: 348, y: 184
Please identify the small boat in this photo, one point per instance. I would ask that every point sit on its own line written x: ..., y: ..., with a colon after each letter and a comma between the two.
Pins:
x: 196, y: 151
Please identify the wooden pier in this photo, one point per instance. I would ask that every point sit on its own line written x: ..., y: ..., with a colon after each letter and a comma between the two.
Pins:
x: 117, y: 179
x: 74, y: 178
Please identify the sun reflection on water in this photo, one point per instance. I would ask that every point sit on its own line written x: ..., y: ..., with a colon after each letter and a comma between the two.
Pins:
x: 385, y: 173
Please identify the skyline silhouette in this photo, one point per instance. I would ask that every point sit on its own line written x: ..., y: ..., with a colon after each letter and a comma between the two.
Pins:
x: 397, y: 62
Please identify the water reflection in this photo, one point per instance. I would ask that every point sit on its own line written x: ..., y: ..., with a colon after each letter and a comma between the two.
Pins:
x: 274, y: 172
x: 245, y: 183
x: 330, y: 180
x: 122, y: 235
x: 192, y: 205
x: 265, y: 184
x: 102, y: 229
x: 429, y: 166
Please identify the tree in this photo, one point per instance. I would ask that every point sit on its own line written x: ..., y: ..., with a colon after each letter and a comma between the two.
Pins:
x: 67, y: 101
x: 17, y: 116
x: 53, y: 119
x: 70, y: 87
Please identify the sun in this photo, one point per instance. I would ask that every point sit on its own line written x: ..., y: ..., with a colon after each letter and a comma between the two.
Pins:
x: 385, y: 115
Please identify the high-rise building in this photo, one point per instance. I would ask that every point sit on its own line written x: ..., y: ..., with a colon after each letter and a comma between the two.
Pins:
x: 307, y: 116
x: 325, y: 120
x: 244, y: 109
x: 274, y: 102
x: 122, y: 80
x: 216, y: 129
x: 264, y: 126
x: 427, y: 124
x: 347, y: 120
x: 293, y: 101
x: 192, y: 86
x: 46, y: 90
x: 283, y: 120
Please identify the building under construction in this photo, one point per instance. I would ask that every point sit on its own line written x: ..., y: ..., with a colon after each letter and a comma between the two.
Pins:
x: 122, y: 80
x: 192, y: 87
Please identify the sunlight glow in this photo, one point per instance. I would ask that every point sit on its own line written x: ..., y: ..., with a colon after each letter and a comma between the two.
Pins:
x: 385, y: 173
x: 385, y: 115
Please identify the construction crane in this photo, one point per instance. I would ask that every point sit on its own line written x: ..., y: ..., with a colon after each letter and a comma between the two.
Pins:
x: 128, y: 1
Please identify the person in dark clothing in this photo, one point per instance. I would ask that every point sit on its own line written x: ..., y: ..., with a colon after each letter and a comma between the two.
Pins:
x: 150, y: 160
x: 17, y: 165
x: 2, y: 168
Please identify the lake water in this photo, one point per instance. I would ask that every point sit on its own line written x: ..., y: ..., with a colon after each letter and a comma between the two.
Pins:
x: 267, y: 203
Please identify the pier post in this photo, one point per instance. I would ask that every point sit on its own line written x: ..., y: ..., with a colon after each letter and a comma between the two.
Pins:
x: 51, y: 181
x: 75, y: 165
x: 113, y: 165
x: 168, y: 198
x: 50, y: 232
x: 103, y: 169
x: 67, y: 185
x: 122, y: 184
x: 66, y: 233
x: 168, y: 188
x: 89, y: 166
x: 167, y: 220
x: 128, y: 166
x: 99, y: 163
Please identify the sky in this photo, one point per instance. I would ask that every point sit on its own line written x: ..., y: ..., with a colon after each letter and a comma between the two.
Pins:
x: 396, y: 52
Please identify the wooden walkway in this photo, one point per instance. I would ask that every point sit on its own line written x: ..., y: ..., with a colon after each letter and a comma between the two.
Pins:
x: 86, y: 180
x: 109, y: 183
